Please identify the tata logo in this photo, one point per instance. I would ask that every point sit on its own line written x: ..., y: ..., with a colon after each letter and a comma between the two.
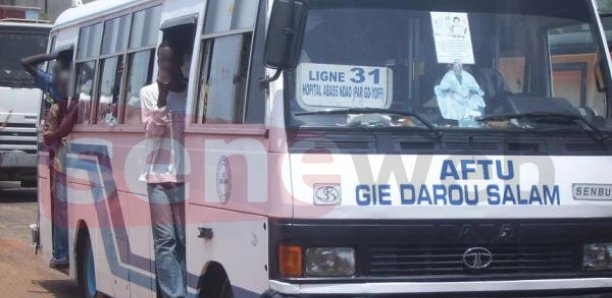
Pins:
x: 327, y: 194
x: 477, y: 258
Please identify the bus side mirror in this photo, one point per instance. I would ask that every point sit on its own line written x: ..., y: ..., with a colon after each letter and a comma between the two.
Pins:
x: 285, y: 34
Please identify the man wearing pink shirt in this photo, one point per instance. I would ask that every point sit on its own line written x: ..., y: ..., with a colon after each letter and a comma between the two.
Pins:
x: 163, y: 108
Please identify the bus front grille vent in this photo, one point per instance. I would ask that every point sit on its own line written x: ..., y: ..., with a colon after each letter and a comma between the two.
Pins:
x: 507, y: 261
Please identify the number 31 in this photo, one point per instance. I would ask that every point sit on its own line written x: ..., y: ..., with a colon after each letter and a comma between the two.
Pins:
x: 360, y: 75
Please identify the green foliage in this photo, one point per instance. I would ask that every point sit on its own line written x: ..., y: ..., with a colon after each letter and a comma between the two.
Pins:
x: 605, y: 6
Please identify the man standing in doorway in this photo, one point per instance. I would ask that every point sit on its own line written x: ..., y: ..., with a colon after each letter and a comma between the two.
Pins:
x: 163, y: 110
x: 58, y: 124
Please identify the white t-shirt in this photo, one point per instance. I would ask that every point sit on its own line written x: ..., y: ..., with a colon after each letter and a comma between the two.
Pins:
x: 164, y: 130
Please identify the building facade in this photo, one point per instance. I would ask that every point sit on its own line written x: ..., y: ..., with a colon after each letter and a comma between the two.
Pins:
x: 50, y: 8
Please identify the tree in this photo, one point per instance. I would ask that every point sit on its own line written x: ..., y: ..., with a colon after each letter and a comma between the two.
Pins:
x: 605, y: 6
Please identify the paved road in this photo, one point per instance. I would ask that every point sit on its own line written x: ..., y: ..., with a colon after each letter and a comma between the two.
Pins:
x: 21, y: 273
x: 17, y: 211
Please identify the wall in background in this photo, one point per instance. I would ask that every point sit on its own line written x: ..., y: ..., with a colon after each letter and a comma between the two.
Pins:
x: 51, y: 8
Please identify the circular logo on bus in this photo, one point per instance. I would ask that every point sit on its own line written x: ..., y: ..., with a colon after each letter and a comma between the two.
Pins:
x: 477, y: 258
x: 224, y: 177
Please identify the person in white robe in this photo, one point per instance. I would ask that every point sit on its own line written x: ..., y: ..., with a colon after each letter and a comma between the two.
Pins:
x: 459, y: 96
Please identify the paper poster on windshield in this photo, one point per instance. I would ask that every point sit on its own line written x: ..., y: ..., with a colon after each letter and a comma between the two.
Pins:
x: 343, y: 86
x: 452, y: 37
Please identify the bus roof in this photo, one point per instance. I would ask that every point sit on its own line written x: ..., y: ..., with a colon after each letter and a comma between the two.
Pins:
x: 93, y: 10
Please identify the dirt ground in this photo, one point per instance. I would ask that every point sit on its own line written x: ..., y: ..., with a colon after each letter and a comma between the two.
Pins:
x: 22, y: 274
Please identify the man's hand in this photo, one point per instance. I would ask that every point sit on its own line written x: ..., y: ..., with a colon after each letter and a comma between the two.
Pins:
x: 31, y: 63
x: 164, y: 81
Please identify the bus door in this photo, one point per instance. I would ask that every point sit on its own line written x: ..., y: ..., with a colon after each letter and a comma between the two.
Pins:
x: 141, y: 255
x: 227, y: 143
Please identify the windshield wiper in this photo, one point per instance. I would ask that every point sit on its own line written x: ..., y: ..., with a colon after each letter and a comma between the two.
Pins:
x: 601, y: 136
x: 437, y: 133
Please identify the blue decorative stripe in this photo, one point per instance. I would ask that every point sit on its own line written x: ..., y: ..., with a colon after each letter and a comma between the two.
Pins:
x: 110, y: 219
x: 112, y: 224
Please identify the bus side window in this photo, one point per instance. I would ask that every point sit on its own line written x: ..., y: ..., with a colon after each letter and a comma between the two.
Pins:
x: 140, y: 60
x: 90, y: 39
x: 108, y: 92
x: 225, y: 85
x: 114, y: 45
x: 225, y: 64
x: 121, y: 52
x: 84, y: 89
x: 140, y: 74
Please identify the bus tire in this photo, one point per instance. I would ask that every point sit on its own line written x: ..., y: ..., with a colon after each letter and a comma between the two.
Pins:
x: 216, y: 284
x: 86, y: 272
x: 219, y: 290
x: 225, y: 290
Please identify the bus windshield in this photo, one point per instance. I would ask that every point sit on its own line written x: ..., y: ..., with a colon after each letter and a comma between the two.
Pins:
x: 15, y: 44
x: 452, y: 64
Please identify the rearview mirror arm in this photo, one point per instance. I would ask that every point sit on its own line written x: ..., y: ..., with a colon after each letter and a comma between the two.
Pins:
x: 266, y: 81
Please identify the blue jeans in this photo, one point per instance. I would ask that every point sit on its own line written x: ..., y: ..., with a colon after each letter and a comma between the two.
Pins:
x: 167, y: 204
x: 59, y: 201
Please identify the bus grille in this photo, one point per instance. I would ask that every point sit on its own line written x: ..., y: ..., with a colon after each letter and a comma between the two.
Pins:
x: 508, y: 261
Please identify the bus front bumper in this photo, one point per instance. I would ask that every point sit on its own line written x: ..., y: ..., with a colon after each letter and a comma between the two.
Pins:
x: 591, y: 288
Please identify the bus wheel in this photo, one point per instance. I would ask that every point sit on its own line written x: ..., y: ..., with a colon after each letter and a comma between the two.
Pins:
x: 86, y: 270
x: 225, y: 290
x: 215, y: 284
x: 221, y: 290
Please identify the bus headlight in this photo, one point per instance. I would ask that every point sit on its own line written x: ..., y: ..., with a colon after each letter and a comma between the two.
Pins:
x: 329, y: 262
x: 597, y: 257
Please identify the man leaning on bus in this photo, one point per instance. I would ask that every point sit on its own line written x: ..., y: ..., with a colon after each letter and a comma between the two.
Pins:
x: 163, y: 109
x: 59, y: 122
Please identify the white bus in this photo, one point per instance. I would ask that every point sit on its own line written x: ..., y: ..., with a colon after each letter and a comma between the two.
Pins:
x: 348, y: 148
x: 19, y: 98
